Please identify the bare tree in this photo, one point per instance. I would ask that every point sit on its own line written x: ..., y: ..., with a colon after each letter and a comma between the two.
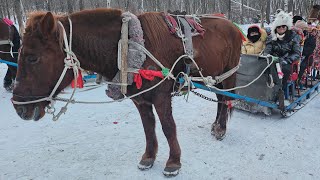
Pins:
x: 240, y: 11
x: 70, y: 6
x: 81, y: 5
x: 7, y: 8
x: 268, y: 11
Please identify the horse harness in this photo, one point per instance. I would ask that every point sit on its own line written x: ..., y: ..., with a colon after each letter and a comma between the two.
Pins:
x: 7, y: 41
x: 184, y: 27
x: 72, y: 62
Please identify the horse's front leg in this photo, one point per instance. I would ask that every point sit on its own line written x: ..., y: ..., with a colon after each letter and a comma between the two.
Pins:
x: 163, y: 107
x: 7, y: 81
x: 148, y: 122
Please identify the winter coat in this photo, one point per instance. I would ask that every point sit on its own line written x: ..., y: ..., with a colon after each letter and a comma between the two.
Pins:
x: 249, y: 47
x: 288, y: 50
x: 309, y: 45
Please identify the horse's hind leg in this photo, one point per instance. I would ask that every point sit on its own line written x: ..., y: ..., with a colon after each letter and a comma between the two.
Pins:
x: 216, y: 124
x: 163, y: 107
x: 148, y: 122
x: 219, y: 127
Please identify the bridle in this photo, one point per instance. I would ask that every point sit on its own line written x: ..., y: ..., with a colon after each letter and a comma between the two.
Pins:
x: 70, y: 62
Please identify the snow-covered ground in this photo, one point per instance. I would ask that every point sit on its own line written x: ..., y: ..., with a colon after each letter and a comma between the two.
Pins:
x: 87, y: 143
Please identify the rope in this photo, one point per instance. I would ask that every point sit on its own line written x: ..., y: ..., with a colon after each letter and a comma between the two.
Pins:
x: 244, y: 86
x: 6, y: 52
x: 129, y: 97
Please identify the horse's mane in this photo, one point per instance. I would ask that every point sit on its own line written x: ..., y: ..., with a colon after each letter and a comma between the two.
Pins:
x: 102, y: 14
x: 107, y: 14
x: 156, y: 32
x: 86, y: 15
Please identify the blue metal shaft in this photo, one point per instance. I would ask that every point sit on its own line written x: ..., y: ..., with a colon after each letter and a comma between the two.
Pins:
x: 233, y: 95
x: 9, y: 63
x: 89, y: 76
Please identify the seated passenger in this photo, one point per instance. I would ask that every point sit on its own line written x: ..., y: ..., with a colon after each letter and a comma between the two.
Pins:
x: 309, y: 46
x: 296, y: 18
x: 283, y: 43
x: 256, y: 41
x: 300, y: 28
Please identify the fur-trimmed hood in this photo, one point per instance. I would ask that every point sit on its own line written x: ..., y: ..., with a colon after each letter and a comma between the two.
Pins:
x: 263, y: 33
x: 282, y: 18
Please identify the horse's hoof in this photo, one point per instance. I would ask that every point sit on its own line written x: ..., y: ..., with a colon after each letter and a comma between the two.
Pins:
x: 171, y: 171
x: 146, y: 164
x: 218, y: 132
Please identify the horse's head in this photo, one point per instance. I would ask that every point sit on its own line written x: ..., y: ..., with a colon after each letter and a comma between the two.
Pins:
x: 40, y: 64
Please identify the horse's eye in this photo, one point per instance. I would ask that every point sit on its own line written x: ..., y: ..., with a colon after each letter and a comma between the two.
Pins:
x: 32, y: 59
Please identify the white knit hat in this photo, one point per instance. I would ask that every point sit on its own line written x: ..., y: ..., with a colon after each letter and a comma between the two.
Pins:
x: 282, y: 18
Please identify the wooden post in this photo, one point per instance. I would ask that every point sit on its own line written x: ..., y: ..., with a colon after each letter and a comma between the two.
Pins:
x: 124, y: 55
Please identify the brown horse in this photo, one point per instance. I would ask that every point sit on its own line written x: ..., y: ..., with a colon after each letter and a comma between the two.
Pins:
x: 9, y: 41
x: 314, y: 14
x: 95, y: 41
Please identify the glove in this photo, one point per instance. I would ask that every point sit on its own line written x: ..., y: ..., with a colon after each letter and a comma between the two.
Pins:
x: 284, y: 62
x: 275, y: 59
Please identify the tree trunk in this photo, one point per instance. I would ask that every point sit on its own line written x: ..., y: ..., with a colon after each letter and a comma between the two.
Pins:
x: 18, y: 10
x: 285, y: 7
x: 170, y: 5
x: 81, y: 5
x: 187, y: 6
x: 8, y: 9
x: 70, y: 7
x: 290, y: 5
x: 214, y: 6
x: 49, y: 5
x: 262, y: 13
x: 242, y: 12
x: 268, y: 11
x: 229, y: 10
x: 1, y: 9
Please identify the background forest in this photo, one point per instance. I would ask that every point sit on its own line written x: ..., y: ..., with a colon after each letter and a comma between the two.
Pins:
x: 240, y: 11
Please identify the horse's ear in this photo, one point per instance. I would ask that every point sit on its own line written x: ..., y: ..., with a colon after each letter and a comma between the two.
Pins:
x: 48, y: 24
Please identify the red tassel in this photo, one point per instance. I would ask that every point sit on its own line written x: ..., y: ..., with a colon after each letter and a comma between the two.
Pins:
x: 79, y: 81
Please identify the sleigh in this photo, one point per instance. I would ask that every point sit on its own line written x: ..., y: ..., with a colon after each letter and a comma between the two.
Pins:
x: 259, y: 88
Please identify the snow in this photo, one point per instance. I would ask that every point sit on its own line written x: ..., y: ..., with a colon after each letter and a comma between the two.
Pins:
x: 107, y: 141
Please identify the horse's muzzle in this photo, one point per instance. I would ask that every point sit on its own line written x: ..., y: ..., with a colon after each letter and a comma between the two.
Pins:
x: 29, y: 112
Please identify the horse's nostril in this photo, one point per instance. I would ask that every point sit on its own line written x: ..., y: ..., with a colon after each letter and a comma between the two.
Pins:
x: 21, y: 110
